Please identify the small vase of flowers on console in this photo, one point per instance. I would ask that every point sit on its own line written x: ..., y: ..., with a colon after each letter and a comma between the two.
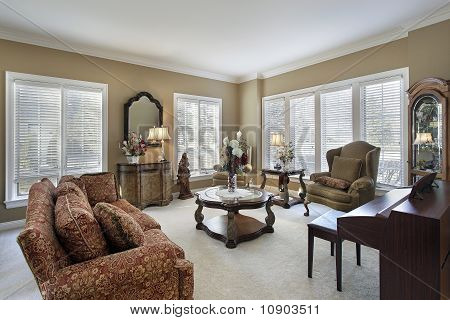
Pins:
x: 285, y: 155
x: 133, y: 148
x: 233, y: 159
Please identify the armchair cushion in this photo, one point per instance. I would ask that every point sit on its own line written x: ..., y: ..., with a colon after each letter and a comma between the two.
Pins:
x: 333, y: 182
x: 100, y: 187
x: 77, y: 229
x: 145, y: 221
x: 121, y: 231
x: 337, y: 195
x: 346, y: 168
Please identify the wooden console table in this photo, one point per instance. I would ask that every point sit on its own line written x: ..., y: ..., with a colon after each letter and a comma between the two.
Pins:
x: 146, y: 184
x: 283, y: 180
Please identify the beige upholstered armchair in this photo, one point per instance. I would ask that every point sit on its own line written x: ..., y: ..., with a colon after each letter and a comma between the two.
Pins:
x: 361, y: 185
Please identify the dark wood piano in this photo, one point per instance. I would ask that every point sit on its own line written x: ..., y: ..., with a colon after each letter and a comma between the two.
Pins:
x: 413, y: 238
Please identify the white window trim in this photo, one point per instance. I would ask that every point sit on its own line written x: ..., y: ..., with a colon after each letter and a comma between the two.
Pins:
x: 11, y: 199
x: 176, y: 96
x: 356, y: 102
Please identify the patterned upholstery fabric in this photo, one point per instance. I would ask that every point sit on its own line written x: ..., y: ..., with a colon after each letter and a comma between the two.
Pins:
x: 155, y: 270
x: 38, y: 242
x: 121, y: 231
x: 100, y: 187
x: 77, y: 229
x: 145, y: 221
x: 333, y: 182
x: 66, y: 188
x: 75, y: 180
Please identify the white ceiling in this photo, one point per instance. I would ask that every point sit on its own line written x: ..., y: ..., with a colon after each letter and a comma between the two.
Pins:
x: 232, y: 40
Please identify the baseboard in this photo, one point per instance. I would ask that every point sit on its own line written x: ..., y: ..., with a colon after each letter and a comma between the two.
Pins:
x: 12, y: 225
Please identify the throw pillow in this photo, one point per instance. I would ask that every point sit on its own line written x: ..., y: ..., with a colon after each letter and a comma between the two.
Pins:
x: 66, y: 188
x: 121, y: 230
x: 100, y: 187
x: 348, y: 169
x: 78, y: 231
x: 75, y: 180
x: 334, y: 182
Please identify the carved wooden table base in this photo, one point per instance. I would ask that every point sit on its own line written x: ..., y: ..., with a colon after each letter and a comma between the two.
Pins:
x: 234, y: 227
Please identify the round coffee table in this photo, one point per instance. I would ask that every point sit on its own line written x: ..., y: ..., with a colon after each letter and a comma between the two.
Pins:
x: 234, y: 227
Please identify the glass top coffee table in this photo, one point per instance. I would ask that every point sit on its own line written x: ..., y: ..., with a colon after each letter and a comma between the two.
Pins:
x: 234, y: 227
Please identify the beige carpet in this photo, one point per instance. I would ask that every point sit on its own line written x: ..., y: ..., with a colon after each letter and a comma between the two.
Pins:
x: 273, y: 266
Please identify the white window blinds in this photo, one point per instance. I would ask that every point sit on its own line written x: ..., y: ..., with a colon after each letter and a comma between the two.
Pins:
x: 54, y: 127
x: 37, y: 121
x: 381, y: 125
x: 302, y: 131
x: 274, y: 122
x: 336, y: 121
x: 83, y: 131
x: 197, y: 123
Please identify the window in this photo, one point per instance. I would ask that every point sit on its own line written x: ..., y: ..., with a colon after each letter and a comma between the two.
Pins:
x: 381, y: 125
x: 197, y: 131
x: 315, y: 120
x: 336, y: 121
x: 274, y: 122
x: 54, y: 127
x: 302, y: 131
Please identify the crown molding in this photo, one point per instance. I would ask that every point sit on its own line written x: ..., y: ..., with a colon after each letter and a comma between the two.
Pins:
x: 106, y: 54
x: 395, y: 34
x: 392, y: 35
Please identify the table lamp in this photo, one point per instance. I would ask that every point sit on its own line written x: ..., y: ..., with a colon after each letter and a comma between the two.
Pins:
x: 152, y: 135
x: 162, y: 134
x: 423, y: 137
x: 277, y: 140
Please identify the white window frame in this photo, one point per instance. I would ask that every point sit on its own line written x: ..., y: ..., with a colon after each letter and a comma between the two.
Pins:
x: 12, y: 200
x: 176, y: 96
x: 356, y: 110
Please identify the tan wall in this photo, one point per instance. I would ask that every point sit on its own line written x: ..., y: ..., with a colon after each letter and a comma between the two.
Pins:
x: 124, y: 81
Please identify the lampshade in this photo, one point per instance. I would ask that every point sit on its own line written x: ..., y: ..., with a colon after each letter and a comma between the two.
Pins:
x: 277, y: 139
x: 162, y: 133
x: 423, y: 137
x: 151, y: 134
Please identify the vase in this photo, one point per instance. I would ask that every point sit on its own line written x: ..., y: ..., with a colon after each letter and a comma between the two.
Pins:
x: 232, y: 182
x: 133, y: 159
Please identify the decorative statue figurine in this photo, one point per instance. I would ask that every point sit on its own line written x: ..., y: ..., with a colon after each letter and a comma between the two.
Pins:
x: 183, y: 178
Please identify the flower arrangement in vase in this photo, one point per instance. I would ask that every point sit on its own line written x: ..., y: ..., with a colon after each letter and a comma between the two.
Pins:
x: 133, y: 148
x: 234, y: 158
x: 285, y: 155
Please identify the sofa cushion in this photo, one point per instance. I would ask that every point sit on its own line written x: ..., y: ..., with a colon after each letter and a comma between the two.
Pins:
x: 66, y: 188
x: 121, y: 231
x: 100, y: 187
x: 75, y: 180
x: 78, y: 231
x: 320, y: 190
x: 157, y: 236
x: 333, y: 182
x: 346, y: 168
x: 145, y: 221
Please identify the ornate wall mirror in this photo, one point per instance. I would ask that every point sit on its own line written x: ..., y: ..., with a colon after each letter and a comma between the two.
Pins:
x: 141, y: 113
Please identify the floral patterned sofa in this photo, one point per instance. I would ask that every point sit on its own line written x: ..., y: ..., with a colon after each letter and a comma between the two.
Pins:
x: 155, y: 270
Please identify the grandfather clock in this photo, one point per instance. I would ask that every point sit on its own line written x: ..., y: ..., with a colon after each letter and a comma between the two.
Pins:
x: 428, y: 134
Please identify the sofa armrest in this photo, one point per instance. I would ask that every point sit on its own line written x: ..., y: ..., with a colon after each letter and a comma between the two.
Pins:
x: 316, y: 175
x: 148, y: 272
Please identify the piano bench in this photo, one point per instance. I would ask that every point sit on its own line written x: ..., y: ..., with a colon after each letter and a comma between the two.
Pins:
x: 325, y: 227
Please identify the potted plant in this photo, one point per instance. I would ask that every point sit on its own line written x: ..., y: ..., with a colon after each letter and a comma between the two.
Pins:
x: 133, y: 148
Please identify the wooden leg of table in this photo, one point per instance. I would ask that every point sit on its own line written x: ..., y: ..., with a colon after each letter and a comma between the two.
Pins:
x: 305, y: 203
x: 302, y: 193
x: 332, y: 248
x: 231, y: 231
x: 358, y: 254
x: 339, y: 264
x: 263, y: 184
x: 310, y: 251
x: 198, y: 215
x: 286, y: 192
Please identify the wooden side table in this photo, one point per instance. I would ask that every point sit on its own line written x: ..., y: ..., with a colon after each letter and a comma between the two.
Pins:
x: 283, y: 181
